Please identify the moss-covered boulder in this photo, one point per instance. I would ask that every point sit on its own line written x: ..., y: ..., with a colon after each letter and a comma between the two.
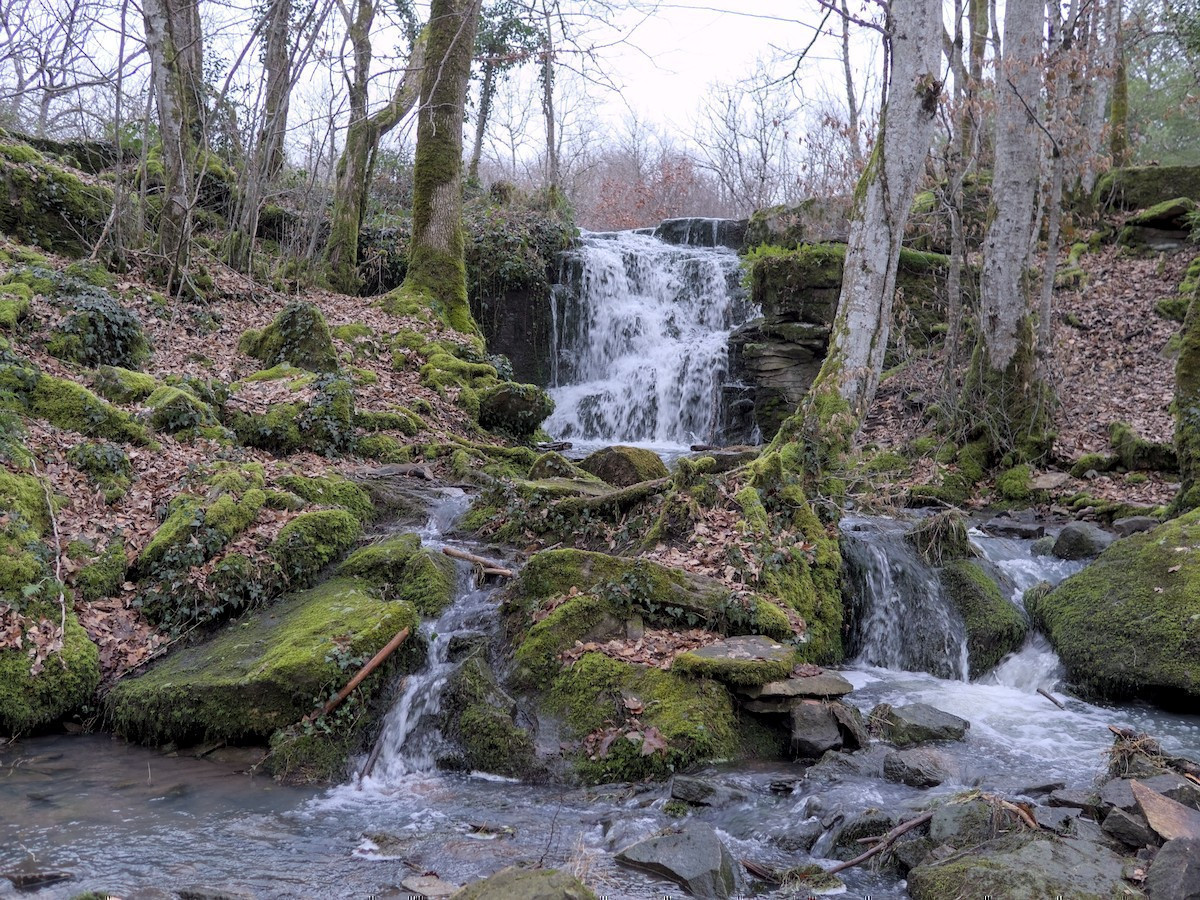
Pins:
x: 995, y: 626
x: 122, y: 385
x: 104, y: 575
x: 624, y: 466
x: 98, y: 331
x: 266, y: 671
x: 741, y: 662
x: 404, y: 569
x: 527, y: 884
x: 65, y: 680
x: 479, y: 716
x: 331, y: 490
x: 172, y: 409
x: 1129, y: 624
x: 1135, y: 452
x: 312, y: 540
x: 610, y: 596
x: 299, y: 335
x: 516, y: 409
x: 70, y: 406
x: 277, y: 430
x: 597, y: 698
x: 14, y: 305
x: 1141, y: 187
x: 555, y: 465
x: 47, y: 204
x: 941, y: 537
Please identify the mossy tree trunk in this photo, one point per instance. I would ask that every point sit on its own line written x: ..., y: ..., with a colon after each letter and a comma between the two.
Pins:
x: 354, y: 166
x: 1187, y: 412
x: 1005, y: 399
x: 843, y: 390
x: 175, y: 45
x: 437, y: 272
x: 1118, y: 119
x: 277, y: 62
x: 486, y: 91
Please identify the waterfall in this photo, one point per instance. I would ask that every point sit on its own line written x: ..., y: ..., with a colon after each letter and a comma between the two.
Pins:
x: 641, y: 334
x: 902, y: 620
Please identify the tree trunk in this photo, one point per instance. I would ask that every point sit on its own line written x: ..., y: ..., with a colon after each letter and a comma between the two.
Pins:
x: 1187, y: 412
x: 1119, y: 117
x: 851, y: 97
x: 437, y: 274
x: 277, y: 63
x: 175, y: 47
x: 486, y: 90
x: 1006, y: 401
x: 845, y: 386
x: 547, y: 79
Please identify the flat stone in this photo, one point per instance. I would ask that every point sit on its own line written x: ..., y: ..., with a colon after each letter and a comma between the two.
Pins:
x: 1134, y: 525
x: 814, y: 729
x: 1075, y: 799
x: 1005, y: 527
x: 1028, y: 788
x: 823, y: 684
x: 850, y: 722
x: 527, y: 884
x: 1119, y: 791
x: 703, y: 792
x: 692, y: 856
x: 1131, y: 829
x: 1169, y: 819
x: 430, y: 887
x: 917, y: 723
x: 1175, y: 872
x: 919, y: 767
x: 1055, y: 818
x: 1049, y: 481
x: 747, y: 647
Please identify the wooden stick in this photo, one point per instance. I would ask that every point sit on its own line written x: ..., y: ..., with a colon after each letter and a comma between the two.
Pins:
x: 366, y: 670
x: 489, y: 567
x: 1045, y: 693
x: 887, y: 840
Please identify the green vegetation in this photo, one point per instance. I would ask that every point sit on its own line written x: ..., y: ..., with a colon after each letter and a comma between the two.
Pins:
x: 299, y: 335
x: 995, y: 626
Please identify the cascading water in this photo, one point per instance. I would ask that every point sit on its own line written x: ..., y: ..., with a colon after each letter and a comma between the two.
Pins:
x: 641, y: 335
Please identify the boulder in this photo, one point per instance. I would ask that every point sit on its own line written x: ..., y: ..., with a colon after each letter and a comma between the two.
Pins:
x: 429, y: 887
x: 822, y: 684
x: 995, y: 626
x: 1085, y: 801
x: 624, y: 466
x: 854, y: 730
x: 299, y: 335
x: 1118, y: 792
x: 1022, y: 866
x: 917, y: 723
x: 1131, y: 829
x: 870, y: 823
x: 964, y: 824
x: 1003, y: 526
x: 1055, y: 818
x: 1170, y: 820
x: 1141, y: 187
x: 799, y: 837
x: 692, y: 856
x: 703, y: 792
x: 814, y: 729
x: 1175, y: 872
x: 1081, y: 540
x: 699, y: 232
x: 517, y: 409
x: 920, y: 767
x: 1129, y: 623
x: 744, y: 661
x: 1134, y: 525
x: 527, y: 884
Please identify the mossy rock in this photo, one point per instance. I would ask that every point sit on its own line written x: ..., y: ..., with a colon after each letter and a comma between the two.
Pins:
x: 122, y: 385
x: 70, y: 406
x: 995, y: 626
x: 527, y: 884
x: 1016, y: 483
x: 383, y: 562
x: 1094, y: 462
x: 331, y: 490
x: 1135, y: 452
x: 515, y: 409
x: 399, y: 419
x: 740, y: 662
x: 311, y: 541
x: 172, y: 409
x: 276, y: 431
x: 479, y: 717
x: 1129, y: 623
x: 296, y: 377
x: 265, y: 671
x: 104, y: 576
x: 299, y: 335
x: 695, y: 717
x: 99, y: 331
x: 555, y: 465
x: 67, y: 681
x: 106, y: 465
x: 624, y: 466
x: 1142, y: 187
x: 14, y: 305
x: 941, y: 537
x: 50, y: 206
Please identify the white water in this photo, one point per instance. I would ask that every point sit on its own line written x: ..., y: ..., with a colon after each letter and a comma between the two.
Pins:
x: 641, y: 334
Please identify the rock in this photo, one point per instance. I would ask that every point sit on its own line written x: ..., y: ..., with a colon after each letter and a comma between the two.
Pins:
x: 299, y: 336
x: 910, y: 851
x: 1134, y: 525
x: 703, y: 792
x: 516, y: 409
x: 430, y: 887
x: 799, y: 837
x: 1142, y: 187
x: 920, y: 767
x: 1049, y: 481
x: 1170, y: 820
x: 728, y: 458
x: 1027, y: 788
x: 1129, y: 623
x: 1119, y: 791
x: 850, y: 722
x: 1170, y: 215
x: 698, y: 232
x: 1175, y: 872
x: 1130, y: 829
x: 527, y: 884
x: 744, y: 661
x: 624, y: 466
x: 814, y: 729
x: 823, y: 684
x: 204, y: 892
x: 941, y: 538
x: 868, y: 823
x: 555, y: 465
x: 692, y: 856
x: 995, y: 626
x: 917, y: 723
x: 1006, y: 527
x: 28, y: 879
x: 1081, y: 540
x: 1022, y: 866
x: 1055, y: 818
x: 1086, y: 801
x: 966, y: 824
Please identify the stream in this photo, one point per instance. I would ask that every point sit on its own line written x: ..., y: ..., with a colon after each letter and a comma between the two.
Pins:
x: 135, y: 823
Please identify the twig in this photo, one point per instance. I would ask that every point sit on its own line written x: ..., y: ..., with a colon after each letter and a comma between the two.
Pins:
x: 366, y: 670
x: 490, y: 567
x: 1045, y: 693
x: 886, y: 841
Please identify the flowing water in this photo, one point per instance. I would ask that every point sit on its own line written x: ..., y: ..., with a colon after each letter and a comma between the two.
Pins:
x: 133, y: 822
x: 641, y: 331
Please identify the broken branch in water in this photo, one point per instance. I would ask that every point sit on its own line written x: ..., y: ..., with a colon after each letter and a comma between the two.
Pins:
x: 489, y: 567
x: 366, y: 670
x: 1045, y: 693
x: 886, y: 841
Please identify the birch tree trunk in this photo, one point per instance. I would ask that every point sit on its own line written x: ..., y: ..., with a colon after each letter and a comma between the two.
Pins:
x: 437, y: 274
x: 175, y: 46
x: 1005, y: 400
x: 843, y: 390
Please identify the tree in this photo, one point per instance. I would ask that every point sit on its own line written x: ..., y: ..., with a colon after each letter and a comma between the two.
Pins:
x: 277, y: 66
x: 176, y: 47
x: 505, y: 39
x: 1006, y: 400
x: 437, y: 274
x: 843, y: 389
x: 362, y: 139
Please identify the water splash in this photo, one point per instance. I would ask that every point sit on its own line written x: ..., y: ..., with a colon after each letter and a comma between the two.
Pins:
x: 642, y: 335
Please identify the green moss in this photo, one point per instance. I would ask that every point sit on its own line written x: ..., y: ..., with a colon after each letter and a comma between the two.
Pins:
x: 104, y: 577
x: 1135, y: 452
x: 106, y: 465
x: 739, y: 673
x: 478, y: 715
x: 384, y: 448
x: 311, y: 541
x: 25, y: 496
x: 66, y: 682
x: 384, y: 562
x: 995, y: 627
x: 276, y: 431
x: 236, y: 478
x: 428, y: 582
x: 1098, y: 462
x: 1015, y: 483
x: 407, y: 423
x: 14, y: 305
x: 299, y: 378
x: 328, y: 422
x: 50, y: 206
x: 1140, y: 187
x: 122, y: 385
x: 331, y: 490
x: 173, y: 409
x: 1173, y: 308
x: 445, y: 371
x: 230, y: 517
x: 515, y: 409
x: 72, y: 407
x: 623, y: 466
x: 352, y: 331
x: 753, y: 511
x: 266, y: 671
x: 941, y: 537
x: 1129, y: 623
x: 695, y: 718
x: 185, y: 516
x: 299, y: 335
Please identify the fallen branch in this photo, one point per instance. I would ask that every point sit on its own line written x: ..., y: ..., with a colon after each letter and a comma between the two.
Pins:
x: 1045, y: 693
x: 886, y: 841
x: 489, y: 566
x: 366, y: 670
x: 760, y: 871
x: 616, y: 501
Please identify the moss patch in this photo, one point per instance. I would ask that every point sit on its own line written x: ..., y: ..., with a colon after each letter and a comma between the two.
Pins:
x: 995, y: 627
x: 311, y: 541
x: 122, y: 385
x: 299, y: 335
x: 67, y: 681
x: 331, y: 490
x: 624, y: 466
